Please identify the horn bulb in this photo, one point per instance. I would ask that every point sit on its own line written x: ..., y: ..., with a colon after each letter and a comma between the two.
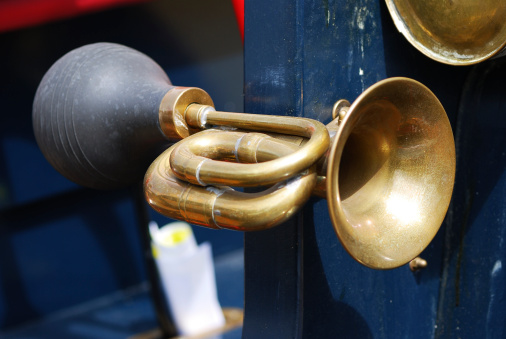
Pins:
x: 95, y: 115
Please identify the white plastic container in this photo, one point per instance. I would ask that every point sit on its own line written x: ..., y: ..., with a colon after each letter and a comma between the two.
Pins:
x: 187, y: 274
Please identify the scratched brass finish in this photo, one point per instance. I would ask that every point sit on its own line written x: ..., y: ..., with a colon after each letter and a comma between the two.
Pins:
x: 456, y: 32
x: 389, y: 171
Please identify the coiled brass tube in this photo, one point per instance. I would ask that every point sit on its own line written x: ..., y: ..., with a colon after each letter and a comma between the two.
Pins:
x: 191, y: 161
x: 221, y: 206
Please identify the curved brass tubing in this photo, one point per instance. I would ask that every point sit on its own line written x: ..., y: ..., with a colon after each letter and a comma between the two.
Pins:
x: 191, y: 160
x: 221, y: 206
x: 389, y: 171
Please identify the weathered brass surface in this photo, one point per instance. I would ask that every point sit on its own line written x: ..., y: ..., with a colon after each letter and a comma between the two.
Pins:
x: 456, y: 32
x: 389, y: 171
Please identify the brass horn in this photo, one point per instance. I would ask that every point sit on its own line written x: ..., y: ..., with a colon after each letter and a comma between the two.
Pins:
x: 459, y: 32
x: 386, y: 163
x: 389, y: 171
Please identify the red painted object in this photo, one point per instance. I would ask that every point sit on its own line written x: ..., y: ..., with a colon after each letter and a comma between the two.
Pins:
x: 239, y: 14
x: 15, y: 14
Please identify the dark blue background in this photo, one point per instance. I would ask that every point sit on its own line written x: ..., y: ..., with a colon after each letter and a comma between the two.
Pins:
x: 300, y: 57
x: 61, y: 245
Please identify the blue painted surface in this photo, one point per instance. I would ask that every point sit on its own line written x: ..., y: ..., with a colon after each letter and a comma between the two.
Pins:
x: 473, y: 299
x: 273, y: 81
x: 313, y: 53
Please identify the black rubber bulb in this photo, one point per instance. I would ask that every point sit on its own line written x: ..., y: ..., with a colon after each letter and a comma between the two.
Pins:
x: 95, y: 115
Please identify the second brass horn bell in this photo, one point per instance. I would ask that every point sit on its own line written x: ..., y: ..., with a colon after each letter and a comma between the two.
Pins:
x: 455, y: 32
x: 386, y: 163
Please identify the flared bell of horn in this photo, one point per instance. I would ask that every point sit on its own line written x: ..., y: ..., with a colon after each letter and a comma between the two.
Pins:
x: 460, y: 32
x: 390, y: 173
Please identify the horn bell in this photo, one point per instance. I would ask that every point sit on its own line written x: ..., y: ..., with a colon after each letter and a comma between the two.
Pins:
x: 461, y: 32
x: 390, y: 173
